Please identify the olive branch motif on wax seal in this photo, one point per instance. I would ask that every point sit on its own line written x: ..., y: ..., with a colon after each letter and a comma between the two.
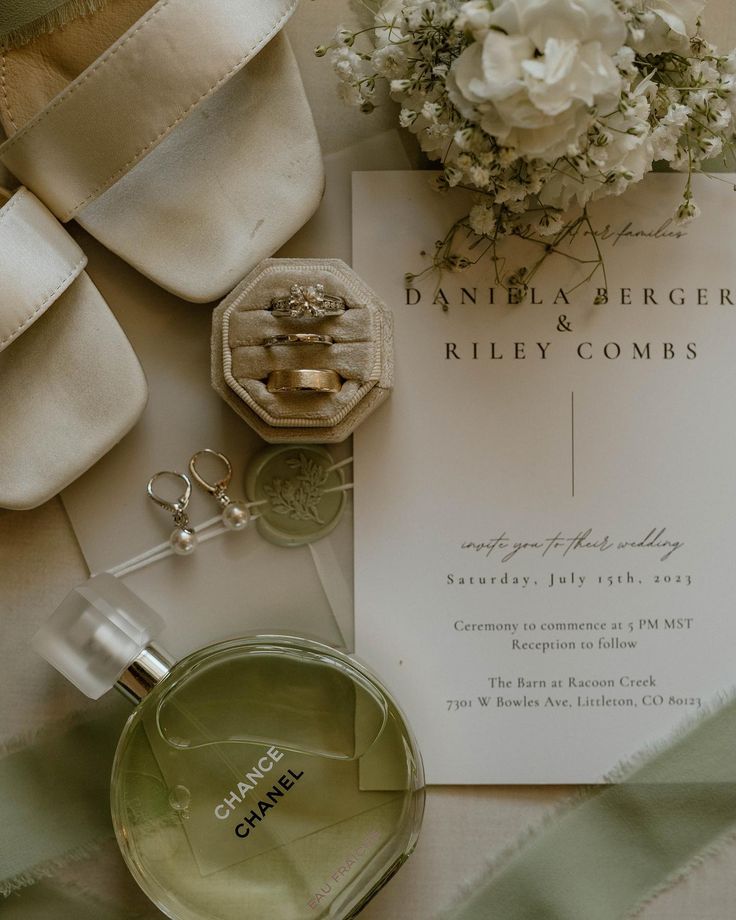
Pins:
x: 298, y: 498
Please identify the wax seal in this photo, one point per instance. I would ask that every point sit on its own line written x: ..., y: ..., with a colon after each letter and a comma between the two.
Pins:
x: 303, y: 490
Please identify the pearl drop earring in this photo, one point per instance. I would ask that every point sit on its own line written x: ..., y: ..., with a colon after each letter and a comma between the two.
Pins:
x: 235, y: 514
x: 183, y: 539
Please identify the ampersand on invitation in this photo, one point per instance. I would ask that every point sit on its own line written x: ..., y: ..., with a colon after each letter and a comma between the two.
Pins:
x: 564, y: 324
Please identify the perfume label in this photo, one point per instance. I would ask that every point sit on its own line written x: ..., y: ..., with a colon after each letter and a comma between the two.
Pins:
x: 255, y: 786
x: 236, y: 801
x: 342, y: 873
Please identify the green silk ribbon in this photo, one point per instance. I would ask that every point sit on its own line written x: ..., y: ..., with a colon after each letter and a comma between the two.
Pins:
x: 23, y: 20
x: 52, y: 898
x: 55, y: 798
x: 605, y: 856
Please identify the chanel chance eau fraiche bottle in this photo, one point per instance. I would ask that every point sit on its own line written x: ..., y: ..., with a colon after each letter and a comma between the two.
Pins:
x: 266, y: 778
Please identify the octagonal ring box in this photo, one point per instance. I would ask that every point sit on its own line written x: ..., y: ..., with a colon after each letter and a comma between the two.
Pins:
x: 362, y: 353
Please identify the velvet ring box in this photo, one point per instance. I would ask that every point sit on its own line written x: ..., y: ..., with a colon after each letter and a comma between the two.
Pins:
x: 361, y: 353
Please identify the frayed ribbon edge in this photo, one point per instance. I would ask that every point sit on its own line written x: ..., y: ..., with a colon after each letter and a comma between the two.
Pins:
x: 618, y: 775
x: 50, y: 22
x: 50, y: 868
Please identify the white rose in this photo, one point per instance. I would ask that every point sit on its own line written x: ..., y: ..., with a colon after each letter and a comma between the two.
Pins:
x: 577, y: 20
x: 675, y: 21
x: 531, y: 79
x: 680, y: 15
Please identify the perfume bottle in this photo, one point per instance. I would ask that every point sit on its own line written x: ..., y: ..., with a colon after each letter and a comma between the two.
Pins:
x: 269, y: 776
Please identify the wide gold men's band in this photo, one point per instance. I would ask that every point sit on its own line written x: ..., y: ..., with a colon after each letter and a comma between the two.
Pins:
x: 304, y: 381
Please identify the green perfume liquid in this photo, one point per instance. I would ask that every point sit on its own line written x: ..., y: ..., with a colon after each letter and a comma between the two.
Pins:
x: 268, y: 777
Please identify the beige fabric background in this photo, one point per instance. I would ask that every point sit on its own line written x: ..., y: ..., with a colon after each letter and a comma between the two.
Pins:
x: 40, y: 561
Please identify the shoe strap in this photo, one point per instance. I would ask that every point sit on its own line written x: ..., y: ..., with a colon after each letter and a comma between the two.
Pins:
x: 133, y: 96
x: 38, y: 262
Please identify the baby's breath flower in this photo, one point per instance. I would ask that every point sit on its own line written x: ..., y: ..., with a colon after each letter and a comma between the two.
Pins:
x: 677, y: 114
x: 414, y: 13
x: 350, y: 94
x: 475, y: 16
x: 551, y: 223
x: 437, y: 131
x: 344, y: 36
x: 687, y: 212
x: 390, y: 61
x: 480, y: 176
x: 453, y: 176
x: 545, y: 118
x: 482, y: 219
x: 431, y: 111
x: 462, y: 138
x: 712, y: 147
x: 400, y: 86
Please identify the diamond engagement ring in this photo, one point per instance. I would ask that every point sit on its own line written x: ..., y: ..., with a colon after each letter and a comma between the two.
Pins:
x: 308, y: 300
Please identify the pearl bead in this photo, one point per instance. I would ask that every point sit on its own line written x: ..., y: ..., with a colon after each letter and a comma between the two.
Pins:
x: 183, y: 542
x: 236, y: 516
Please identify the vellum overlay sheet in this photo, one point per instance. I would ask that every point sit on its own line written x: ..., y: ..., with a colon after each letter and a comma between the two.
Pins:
x: 544, y: 509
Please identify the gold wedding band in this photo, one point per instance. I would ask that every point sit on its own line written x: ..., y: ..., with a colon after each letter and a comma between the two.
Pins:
x: 304, y: 381
x: 298, y: 338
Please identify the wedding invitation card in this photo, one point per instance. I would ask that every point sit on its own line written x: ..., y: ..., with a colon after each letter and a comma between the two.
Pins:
x: 544, y: 510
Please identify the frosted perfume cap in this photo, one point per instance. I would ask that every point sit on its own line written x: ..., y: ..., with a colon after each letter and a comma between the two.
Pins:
x: 98, y: 631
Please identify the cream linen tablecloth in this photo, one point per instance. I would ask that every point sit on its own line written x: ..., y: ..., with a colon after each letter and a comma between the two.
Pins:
x: 40, y: 561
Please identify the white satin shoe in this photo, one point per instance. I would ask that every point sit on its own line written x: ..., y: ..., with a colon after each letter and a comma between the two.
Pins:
x: 184, y: 143
x: 70, y: 383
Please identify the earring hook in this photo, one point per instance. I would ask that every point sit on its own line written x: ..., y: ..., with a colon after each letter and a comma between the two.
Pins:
x: 214, y: 488
x: 235, y: 514
x: 178, y: 505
